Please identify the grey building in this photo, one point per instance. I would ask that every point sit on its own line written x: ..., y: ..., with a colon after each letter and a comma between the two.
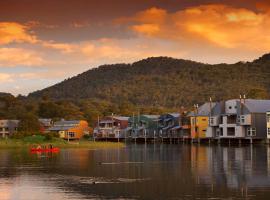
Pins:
x: 239, y: 118
x: 8, y: 127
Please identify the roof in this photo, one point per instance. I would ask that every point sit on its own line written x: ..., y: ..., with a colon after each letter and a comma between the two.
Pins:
x: 8, y: 122
x: 152, y: 116
x: 64, y: 125
x: 121, y: 118
x: 203, y: 110
x: 46, y: 122
x: 106, y: 121
x: 175, y: 114
x: 257, y: 106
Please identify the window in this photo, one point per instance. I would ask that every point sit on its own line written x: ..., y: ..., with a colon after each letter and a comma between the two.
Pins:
x: 71, y: 134
x: 203, y: 119
x: 268, y: 131
x: 211, y: 120
x: 230, y: 107
x: 268, y: 117
x: 251, y: 132
x: 242, y: 119
x: 238, y: 119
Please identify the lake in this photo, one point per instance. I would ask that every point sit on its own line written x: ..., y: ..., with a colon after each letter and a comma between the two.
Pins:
x: 152, y: 171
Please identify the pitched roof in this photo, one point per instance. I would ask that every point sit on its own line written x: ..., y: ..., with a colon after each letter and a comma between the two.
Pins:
x: 175, y: 114
x: 203, y: 110
x: 152, y: 116
x: 121, y: 118
x: 45, y: 122
x: 64, y: 125
x: 257, y: 106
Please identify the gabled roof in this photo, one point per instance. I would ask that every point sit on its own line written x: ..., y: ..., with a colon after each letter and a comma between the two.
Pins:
x: 45, y: 122
x: 203, y: 110
x: 174, y: 114
x: 121, y: 118
x: 257, y: 106
x: 8, y: 122
x: 152, y: 116
x: 64, y: 125
x: 64, y: 122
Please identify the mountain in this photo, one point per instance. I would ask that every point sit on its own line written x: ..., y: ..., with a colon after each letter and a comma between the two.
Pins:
x: 165, y: 82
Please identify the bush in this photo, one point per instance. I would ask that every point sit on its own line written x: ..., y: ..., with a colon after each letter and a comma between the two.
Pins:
x: 48, y: 137
x: 86, y: 137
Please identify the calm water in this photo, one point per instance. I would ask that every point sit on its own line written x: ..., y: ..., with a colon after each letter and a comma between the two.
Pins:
x: 138, y: 172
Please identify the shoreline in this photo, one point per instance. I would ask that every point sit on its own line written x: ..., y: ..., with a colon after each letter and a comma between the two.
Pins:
x: 20, y: 143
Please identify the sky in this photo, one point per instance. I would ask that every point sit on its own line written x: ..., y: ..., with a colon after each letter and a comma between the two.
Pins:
x: 43, y: 42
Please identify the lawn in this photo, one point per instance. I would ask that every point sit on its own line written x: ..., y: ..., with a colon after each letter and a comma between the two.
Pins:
x: 29, y: 141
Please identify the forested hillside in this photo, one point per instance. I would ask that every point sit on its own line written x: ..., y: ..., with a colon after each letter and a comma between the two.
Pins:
x: 153, y: 85
x: 166, y: 82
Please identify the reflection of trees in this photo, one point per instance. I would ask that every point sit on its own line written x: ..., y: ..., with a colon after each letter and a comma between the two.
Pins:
x: 146, y: 171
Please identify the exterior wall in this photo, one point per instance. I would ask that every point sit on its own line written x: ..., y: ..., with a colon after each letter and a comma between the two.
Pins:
x: 268, y: 124
x: 76, y: 132
x: 143, y: 126
x: 231, y: 107
x: 199, y: 125
x: 116, y: 129
x: 260, y: 124
x: 167, y: 124
x: 8, y: 127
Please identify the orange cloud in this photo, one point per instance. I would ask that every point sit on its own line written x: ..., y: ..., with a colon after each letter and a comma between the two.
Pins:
x: 15, y: 32
x: 10, y: 57
x: 5, y: 78
x: 216, y: 24
x: 63, y: 47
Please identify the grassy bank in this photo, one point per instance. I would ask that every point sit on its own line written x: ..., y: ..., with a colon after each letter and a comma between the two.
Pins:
x: 27, y: 142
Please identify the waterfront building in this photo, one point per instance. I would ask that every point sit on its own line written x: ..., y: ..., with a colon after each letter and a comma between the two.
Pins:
x: 240, y: 118
x: 70, y: 130
x: 8, y: 127
x: 111, y: 127
x: 142, y: 126
x: 268, y: 124
x: 45, y: 125
x: 169, y: 125
x: 199, y: 120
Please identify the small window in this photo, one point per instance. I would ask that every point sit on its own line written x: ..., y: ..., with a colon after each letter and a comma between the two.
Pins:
x: 204, y: 130
x: 230, y: 107
x: 235, y: 107
x: 268, y: 117
x: 268, y: 131
x: 203, y: 119
x: 251, y: 132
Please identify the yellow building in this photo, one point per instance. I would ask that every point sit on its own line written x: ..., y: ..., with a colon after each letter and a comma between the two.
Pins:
x: 199, y: 120
x: 71, y: 130
x: 199, y: 126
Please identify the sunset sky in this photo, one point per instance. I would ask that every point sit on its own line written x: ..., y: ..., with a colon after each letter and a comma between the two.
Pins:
x: 45, y: 41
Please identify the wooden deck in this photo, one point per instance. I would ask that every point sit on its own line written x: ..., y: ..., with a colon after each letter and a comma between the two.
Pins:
x: 174, y: 140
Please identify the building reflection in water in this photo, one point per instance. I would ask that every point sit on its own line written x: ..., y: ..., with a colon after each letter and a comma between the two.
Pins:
x: 154, y: 171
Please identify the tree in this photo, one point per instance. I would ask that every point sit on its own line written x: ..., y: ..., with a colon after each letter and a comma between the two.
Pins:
x: 29, y: 124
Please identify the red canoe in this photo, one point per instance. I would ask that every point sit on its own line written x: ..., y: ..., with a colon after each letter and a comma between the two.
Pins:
x: 54, y: 150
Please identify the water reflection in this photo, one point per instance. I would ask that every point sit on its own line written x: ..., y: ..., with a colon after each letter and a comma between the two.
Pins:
x: 138, y: 172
